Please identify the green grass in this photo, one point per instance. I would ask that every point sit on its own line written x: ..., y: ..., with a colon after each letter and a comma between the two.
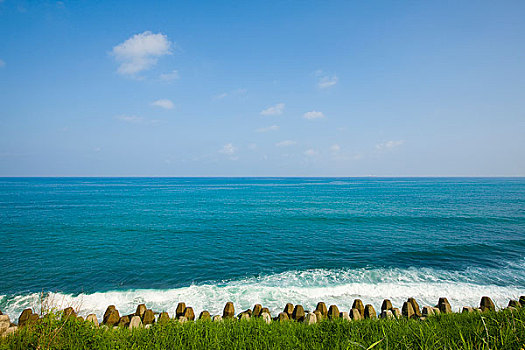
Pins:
x: 490, y: 330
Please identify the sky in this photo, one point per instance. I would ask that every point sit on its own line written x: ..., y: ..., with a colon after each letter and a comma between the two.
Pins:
x: 262, y: 88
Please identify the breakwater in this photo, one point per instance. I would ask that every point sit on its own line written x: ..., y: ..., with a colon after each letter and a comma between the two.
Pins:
x: 145, y: 317
x: 337, y: 287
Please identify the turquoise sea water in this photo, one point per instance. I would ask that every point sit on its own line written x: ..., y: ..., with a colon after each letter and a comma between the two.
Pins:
x: 99, y: 241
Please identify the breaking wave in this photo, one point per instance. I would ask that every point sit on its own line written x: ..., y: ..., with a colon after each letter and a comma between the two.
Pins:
x: 308, y: 287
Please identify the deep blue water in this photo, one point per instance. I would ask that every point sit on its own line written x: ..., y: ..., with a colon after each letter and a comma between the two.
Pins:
x: 290, y: 235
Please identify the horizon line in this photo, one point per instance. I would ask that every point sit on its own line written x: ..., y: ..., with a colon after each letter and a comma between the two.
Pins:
x: 252, y: 176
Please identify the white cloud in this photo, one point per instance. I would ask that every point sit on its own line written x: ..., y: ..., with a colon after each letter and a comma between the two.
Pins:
x: 285, y: 143
x: 274, y: 110
x: 2, y: 63
x: 236, y: 92
x: 335, y: 148
x: 311, y: 152
x: 389, y: 145
x: 163, y: 103
x: 220, y: 96
x: 130, y: 119
x: 313, y: 115
x: 134, y: 119
x: 141, y: 52
x: 173, y: 75
x: 239, y: 92
x: 229, y: 150
x: 327, y: 81
x: 269, y: 128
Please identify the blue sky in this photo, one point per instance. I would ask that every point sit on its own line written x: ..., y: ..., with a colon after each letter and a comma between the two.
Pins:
x: 262, y: 88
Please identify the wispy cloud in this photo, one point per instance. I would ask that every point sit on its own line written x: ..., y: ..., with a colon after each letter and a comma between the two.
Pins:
x: 313, y: 115
x: 389, y: 145
x: 236, y: 92
x: 2, y: 63
x: 130, y: 119
x: 220, y: 96
x: 173, y: 75
x: 274, y: 110
x: 229, y: 150
x: 134, y: 119
x: 324, y: 80
x: 268, y: 128
x: 141, y: 52
x: 335, y: 148
x: 285, y: 143
x: 163, y: 103
x: 311, y: 152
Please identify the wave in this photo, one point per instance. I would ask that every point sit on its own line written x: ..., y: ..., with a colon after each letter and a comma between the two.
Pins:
x: 338, y: 286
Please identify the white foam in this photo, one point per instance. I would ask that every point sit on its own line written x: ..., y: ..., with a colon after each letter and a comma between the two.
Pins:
x: 338, y: 287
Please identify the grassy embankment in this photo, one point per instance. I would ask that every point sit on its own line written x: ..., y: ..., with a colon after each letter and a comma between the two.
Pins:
x: 489, y: 330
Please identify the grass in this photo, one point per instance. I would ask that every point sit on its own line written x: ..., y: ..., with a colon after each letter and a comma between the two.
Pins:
x: 490, y: 330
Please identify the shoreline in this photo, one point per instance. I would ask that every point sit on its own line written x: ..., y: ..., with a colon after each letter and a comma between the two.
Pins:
x: 146, y: 329
x: 359, y: 311
x: 274, y: 296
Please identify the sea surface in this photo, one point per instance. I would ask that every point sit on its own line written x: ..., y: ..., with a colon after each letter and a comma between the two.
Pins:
x: 92, y: 242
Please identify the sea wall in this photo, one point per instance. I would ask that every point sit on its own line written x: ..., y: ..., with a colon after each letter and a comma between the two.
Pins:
x: 145, y: 317
x: 333, y: 286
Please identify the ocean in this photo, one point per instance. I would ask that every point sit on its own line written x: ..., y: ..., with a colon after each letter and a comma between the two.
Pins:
x: 92, y: 242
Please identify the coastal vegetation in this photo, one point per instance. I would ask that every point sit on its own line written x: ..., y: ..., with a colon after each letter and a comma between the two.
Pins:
x: 471, y: 329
